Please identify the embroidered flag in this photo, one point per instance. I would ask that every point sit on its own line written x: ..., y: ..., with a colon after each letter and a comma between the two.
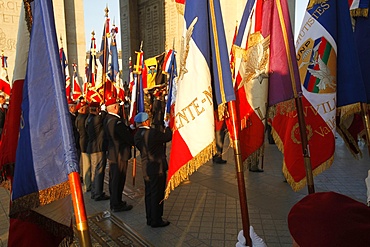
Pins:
x: 251, y: 48
x: 202, y: 57
x: 323, y: 68
x: 76, y: 92
x: 46, y: 150
x: 4, y: 79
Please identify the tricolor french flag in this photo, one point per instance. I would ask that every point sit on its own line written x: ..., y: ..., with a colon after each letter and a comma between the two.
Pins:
x: 205, y: 52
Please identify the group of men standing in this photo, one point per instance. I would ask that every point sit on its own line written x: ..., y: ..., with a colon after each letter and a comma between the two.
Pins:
x: 103, y: 138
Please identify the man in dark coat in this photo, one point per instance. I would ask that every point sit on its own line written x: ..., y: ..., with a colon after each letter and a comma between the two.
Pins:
x: 85, y: 166
x: 120, y: 140
x: 96, y: 148
x: 150, y: 143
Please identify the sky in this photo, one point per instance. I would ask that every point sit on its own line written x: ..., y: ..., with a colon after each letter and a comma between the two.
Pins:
x: 300, y: 9
x: 95, y: 16
x: 94, y: 12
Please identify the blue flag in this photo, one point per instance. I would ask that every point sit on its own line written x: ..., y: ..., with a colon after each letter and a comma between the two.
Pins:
x: 46, y: 151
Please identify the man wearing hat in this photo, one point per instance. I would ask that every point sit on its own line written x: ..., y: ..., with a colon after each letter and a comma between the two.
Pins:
x: 96, y: 148
x: 329, y: 219
x: 150, y: 143
x: 120, y: 141
x: 85, y: 167
x: 3, y: 111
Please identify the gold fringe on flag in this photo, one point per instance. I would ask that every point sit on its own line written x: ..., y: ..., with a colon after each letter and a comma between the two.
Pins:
x: 186, y: 170
x: 359, y: 12
x: 346, y: 111
x: 296, y: 186
x: 40, y: 198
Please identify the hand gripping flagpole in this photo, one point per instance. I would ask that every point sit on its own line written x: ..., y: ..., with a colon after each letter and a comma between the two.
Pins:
x: 299, y: 105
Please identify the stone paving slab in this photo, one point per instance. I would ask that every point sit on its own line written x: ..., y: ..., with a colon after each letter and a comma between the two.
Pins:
x: 206, y: 210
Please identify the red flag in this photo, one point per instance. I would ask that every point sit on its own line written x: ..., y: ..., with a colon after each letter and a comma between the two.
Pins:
x: 318, y: 49
x: 251, y: 49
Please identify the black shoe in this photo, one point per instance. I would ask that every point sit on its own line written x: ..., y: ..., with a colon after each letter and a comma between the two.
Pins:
x: 256, y: 170
x: 164, y: 223
x: 103, y: 197
x: 148, y: 222
x: 122, y: 208
x: 218, y: 160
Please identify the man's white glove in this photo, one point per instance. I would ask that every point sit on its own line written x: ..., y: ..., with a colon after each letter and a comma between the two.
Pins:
x: 5, y: 106
x: 103, y: 107
x: 256, y: 240
x: 166, y: 123
x: 132, y: 126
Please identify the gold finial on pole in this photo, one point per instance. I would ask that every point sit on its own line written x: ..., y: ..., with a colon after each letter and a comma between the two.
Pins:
x: 106, y: 11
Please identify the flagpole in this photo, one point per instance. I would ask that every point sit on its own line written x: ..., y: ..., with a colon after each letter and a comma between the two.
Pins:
x: 105, y: 53
x: 137, y: 71
x: 299, y: 105
x: 365, y: 119
x: 240, y: 172
x: 79, y: 209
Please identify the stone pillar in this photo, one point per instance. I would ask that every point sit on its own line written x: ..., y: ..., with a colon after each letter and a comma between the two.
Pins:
x: 130, y: 41
x: 75, y: 34
x: 9, y: 19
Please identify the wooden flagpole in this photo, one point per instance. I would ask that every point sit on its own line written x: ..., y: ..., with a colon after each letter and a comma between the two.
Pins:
x: 240, y: 172
x: 299, y: 105
x: 104, y: 65
x: 79, y: 209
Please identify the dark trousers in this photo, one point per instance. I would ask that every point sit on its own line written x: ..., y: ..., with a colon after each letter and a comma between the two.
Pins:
x: 117, y: 179
x: 154, y: 194
x: 220, y: 137
x: 98, y: 164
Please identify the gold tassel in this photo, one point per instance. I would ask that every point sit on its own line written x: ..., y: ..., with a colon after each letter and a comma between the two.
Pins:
x: 346, y: 111
x: 186, y: 170
x: 40, y: 198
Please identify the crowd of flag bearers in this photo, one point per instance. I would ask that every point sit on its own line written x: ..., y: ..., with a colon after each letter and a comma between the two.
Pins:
x: 303, y: 93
